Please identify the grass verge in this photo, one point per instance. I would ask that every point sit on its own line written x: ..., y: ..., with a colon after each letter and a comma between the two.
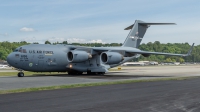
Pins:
x: 27, y: 73
x: 90, y: 84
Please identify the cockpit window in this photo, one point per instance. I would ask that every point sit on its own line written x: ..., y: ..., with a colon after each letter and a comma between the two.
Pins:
x: 16, y: 50
x: 20, y: 50
x: 24, y: 50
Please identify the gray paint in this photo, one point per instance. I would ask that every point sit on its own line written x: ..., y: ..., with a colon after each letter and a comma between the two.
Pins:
x: 53, y: 58
x: 136, y: 34
x: 138, y: 29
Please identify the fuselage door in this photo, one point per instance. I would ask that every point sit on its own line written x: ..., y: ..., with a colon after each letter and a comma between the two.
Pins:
x: 23, y: 58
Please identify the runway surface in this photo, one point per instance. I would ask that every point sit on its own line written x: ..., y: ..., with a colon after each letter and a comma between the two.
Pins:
x: 162, y: 96
x: 133, y: 73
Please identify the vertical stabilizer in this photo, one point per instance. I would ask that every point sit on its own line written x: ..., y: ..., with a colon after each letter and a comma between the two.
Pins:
x: 138, y: 29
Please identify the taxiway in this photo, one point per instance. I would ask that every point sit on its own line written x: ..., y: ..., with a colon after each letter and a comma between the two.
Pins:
x: 160, y: 96
x: 126, y: 73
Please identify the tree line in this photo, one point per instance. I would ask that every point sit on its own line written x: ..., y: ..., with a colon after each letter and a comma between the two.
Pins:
x: 180, y: 48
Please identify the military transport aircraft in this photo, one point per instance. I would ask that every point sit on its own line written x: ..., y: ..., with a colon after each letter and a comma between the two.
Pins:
x: 79, y: 59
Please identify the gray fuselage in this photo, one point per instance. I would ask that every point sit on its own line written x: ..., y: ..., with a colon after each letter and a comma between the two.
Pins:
x: 53, y: 58
x: 39, y: 58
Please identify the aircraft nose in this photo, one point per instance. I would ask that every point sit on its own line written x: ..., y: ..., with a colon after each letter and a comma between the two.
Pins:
x: 9, y: 59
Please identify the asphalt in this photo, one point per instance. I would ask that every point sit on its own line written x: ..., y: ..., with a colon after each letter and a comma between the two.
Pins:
x: 161, y: 96
x: 126, y: 73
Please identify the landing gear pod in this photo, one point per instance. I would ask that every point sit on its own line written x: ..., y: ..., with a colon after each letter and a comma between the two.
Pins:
x: 111, y: 57
x: 78, y: 56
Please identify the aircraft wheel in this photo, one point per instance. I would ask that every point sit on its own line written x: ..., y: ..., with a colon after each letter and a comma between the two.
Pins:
x: 89, y: 73
x: 80, y: 73
x: 96, y: 73
x: 76, y: 73
x: 69, y: 73
x: 101, y: 73
x: 20, y: 74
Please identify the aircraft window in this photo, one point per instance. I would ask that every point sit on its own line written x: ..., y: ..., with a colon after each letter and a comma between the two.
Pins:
x: 16, y: 50
x: 24, y: 50
x: 20, y: 50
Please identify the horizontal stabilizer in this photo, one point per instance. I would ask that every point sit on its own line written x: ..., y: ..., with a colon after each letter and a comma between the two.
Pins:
x: 130, y: 27
x: 157, y: 23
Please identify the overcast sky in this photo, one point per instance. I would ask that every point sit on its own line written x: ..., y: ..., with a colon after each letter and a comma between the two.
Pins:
x: 98, y: 21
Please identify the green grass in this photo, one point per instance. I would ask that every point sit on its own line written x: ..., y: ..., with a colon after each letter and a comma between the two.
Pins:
x: 30, y: 73
x: 27, y: 73
x: 90, y: 84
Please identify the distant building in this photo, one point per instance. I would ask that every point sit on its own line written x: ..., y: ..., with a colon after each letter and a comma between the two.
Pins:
x: 153, y: 63
x: 140, y: 63
x: 176, y: 63
x: 3, y: 62
x: 3, y: 66
x: 133, y: 64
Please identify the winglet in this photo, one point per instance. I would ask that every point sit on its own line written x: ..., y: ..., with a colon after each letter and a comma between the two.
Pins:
x: 189, y: 52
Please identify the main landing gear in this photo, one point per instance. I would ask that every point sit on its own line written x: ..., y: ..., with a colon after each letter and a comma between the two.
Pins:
x: 20, y: 74
x: 95, y: 73
x: 75, y: 73
x: 88, y: 73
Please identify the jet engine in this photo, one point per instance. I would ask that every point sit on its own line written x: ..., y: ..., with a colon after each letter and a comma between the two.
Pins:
x: 111, y: 57
x: 78, y: 56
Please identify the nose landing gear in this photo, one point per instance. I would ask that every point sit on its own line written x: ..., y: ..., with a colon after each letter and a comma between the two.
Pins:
x: 20, y: 74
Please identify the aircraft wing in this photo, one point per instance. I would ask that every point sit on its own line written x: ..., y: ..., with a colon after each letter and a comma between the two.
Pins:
x: 161, y: 53
x: 137, y: 51
x: 128, y: 50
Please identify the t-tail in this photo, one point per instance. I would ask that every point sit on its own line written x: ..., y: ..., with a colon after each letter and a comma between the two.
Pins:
x: 138, y: 29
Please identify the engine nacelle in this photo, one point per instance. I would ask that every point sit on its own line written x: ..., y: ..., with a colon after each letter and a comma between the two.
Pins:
x: 111, y: 57
x: 78, y: 56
